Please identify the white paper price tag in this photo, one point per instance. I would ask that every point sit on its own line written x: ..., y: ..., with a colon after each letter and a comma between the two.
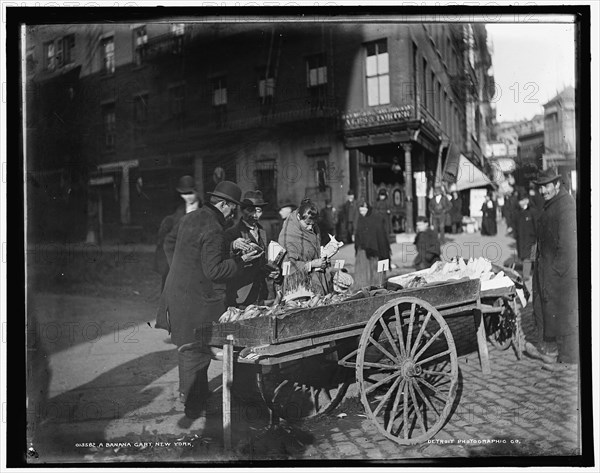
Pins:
x: 285, y: 268
x: 338, y: 263
x: 383, y: 265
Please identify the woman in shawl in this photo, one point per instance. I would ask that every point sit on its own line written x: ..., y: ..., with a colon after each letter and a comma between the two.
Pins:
x: 301, y: 238
x: 371, y: 245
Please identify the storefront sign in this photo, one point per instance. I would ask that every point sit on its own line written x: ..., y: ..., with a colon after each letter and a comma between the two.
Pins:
x: 381, y: 116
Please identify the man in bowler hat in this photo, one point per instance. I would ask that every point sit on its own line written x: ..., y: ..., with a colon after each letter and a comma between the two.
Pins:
x: 555, y: 285
x: 194, y: 294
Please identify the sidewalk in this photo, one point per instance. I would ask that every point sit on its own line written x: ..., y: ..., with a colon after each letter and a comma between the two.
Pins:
x: 497, y: 249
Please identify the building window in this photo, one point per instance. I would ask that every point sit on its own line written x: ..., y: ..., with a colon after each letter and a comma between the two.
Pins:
x: 178, y: 29
x: 424, y: 83
x: 266, y: 86
x: 140, y: 38
x: 109, y: 125
x: 219, y: 101
x: 140, y: 117
x: 64, y: 50
x: 176, y: 102
x: 49, y: 63
x: 378, y: 75
x: 432, y: 95
x: 108, y: 55
x: 438, y: 99
x: 266, y: 181
x: 316, y: 80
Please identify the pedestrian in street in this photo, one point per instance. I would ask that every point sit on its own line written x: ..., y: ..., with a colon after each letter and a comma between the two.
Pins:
x: 383, y: 207
x: 249, y: 285
x: 301, y: 238
x: 194, y: 294
x: 327, y: 222
x: 488, y: 219
x: 348, y: 218
x: 371, y: 245
x: 427, y: 244
x: 555, y: 289
x: 456, y: 213
x: 186, y: 189
x: 524, y: 227
x: 439, y: 207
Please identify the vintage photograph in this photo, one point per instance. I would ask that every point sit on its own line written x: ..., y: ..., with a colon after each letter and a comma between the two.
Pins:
x: 308, y: 237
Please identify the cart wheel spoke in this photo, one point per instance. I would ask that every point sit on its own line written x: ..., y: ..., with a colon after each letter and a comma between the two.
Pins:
x: 390, y: 338
x: 425, y: 398
x: 387, y: 396
x: 380, y: 366
x: 385, y: 380
x: 394, y: 410
x: 420, y: 334
x: 434, y: 357
x: 411, y: 321
x: 429, y: 343
x: 399, y: 330
x: 383, y: 350
x: 405, y: 411
x: 416, y: 408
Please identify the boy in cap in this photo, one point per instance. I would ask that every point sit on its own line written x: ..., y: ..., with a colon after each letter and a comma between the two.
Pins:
x: 427, y: 243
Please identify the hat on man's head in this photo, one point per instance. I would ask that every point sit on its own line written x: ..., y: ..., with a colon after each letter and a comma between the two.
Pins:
x: 186, y: 185
x: 287, y: 203
x: 546, y: 176
x: 253, y: 199
x: 229, y: 191
x: 350, y: 192
x: 422, y: 218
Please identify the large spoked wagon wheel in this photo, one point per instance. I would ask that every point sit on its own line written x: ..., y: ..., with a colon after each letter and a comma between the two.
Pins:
x: 407, y: 370
x: 303, y: 388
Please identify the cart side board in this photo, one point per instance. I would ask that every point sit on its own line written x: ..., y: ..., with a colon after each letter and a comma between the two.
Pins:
x: 317, y: 321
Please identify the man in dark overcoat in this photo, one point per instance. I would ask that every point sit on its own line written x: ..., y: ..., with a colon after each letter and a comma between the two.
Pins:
x: 555, y: 289
x: 249, y: 286
x: 194, y: 294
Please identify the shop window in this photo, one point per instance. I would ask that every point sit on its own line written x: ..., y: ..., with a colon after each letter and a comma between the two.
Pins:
x: 110, y: 128
x: 377, y: 73
x: 108, y: 55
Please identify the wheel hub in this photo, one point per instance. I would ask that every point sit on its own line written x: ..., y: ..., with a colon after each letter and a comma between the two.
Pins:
x: 410, y: 369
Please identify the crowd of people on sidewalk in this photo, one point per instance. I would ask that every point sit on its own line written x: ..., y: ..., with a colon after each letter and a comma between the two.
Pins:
x: 208, y: 261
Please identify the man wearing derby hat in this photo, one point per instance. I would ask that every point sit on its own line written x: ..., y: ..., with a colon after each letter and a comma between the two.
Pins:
x: 187, y: 190
x: 249, y: 286
x: 555, y: 290
x: 194, y: 294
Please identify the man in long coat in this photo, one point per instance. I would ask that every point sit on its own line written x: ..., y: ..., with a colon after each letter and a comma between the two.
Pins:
x: 194, y: 294
x: 555, y: 290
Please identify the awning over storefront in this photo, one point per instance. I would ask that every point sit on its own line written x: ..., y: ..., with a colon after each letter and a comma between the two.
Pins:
x: 462, y: 172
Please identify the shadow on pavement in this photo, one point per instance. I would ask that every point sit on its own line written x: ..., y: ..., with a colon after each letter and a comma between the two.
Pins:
x: 83, y: 414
